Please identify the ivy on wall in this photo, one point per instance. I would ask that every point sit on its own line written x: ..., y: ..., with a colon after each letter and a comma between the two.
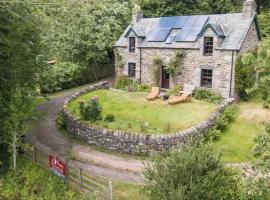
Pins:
x: 156, y: 70
x: 175, y: 66
x: 119, y: 60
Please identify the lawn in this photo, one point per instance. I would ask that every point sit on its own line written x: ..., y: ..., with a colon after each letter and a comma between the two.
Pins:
x: 237, y: 140
x: 131, y: 110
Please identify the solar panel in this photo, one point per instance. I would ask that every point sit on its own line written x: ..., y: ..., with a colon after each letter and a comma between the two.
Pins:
x: 190, y: 21
x: 190, y: 28
x: 159, y: 35
x: 196, y: 28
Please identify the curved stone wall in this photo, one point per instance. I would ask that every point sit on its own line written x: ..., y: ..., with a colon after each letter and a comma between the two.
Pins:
x: 130, y: 142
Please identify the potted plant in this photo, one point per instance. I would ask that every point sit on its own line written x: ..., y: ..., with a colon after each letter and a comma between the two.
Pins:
x: 166, y: 96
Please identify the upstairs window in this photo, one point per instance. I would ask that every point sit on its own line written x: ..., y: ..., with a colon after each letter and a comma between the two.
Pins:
x: 132, y: 69
x: 132, y: 41
x: 208, y: 46
x: 206, y: 77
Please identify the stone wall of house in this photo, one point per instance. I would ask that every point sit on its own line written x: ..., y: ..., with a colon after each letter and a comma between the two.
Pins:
x: 220, y: 63
x: 130, y: 142
x: 129, y: 57
x: 251, y: 41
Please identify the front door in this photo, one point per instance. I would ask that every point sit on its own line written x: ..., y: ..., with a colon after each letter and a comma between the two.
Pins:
x: 165, y: 78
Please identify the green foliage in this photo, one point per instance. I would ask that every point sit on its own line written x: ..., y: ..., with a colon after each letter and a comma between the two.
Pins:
x: 175, y: 90
x: 261, y: 149
x: 264, y: 19
x: 32, y: 182
x: 119, y: 60
x: 156, y: 70
x: 156, y: 8
x: 207, y: 95
x: 109, y: 118
x: 126, y: 83
x: 60, y: 76
x: 61, y: 120
x: 244, y: 78
x: 222, y: 122
x: 260, y: 62
x: 192, y: 172
x: 91, y: 110
x: 175, y: 66
x: 122, y: 82
x: 19, y: 69
x: 142, y: 88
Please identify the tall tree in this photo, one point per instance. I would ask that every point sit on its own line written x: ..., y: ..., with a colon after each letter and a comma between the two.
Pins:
x: 155, y: 8
x: 19, y: 41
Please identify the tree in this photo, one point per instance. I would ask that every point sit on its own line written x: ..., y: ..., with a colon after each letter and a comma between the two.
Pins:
x: 155, y: 8
x: 19, y: 41
x: 260, y: 61
x: 192, y: 172
x: 84, y: 32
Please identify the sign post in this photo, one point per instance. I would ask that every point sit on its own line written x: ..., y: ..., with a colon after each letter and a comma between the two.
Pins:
x: 57, y: 167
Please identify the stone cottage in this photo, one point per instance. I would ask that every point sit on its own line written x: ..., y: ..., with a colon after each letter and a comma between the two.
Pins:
x: 211, y: 43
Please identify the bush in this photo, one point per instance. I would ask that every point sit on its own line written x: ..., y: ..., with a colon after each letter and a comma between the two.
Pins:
x: 195, y: 171
x: 126, y: 83
x: 122, y: 82
x: 175, y: 90
x: 207, y: 95
x: 60, y: 76
x: 109, y: 118
x: 61, y: 120
x: 91, y: 110
x: 221, y: 124
x: 244, y: 78
x: 142, y: 88
x: 261, y: 150
x: 32, y: 182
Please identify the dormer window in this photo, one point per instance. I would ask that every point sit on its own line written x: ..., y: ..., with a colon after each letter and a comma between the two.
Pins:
x: 208, y: 46
x: 172, y: 36
x: 132, y: 42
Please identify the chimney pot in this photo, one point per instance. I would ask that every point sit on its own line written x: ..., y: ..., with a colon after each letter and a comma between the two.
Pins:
x: 249, y: 8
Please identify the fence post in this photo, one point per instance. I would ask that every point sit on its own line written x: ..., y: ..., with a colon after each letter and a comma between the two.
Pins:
x: 110, y: 190
x: 80, y: 177
x: 35, y: 154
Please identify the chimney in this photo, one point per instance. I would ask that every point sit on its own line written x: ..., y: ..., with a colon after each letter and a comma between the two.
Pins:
x: 249, y: 8
x: 137, y: 14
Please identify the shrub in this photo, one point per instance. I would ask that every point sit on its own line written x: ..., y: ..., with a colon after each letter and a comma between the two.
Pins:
x: 142, y: 88
x: 221, y: 124
x: 207, y: 95
x: 261, y: 149
x: 109, y: 118
x: 122, y: 82
x: 244, y: 78
x: 91, y: 110
x: 195, y: 171
x: 175, y: 90
x: 60, y: 76
x: 61, y: 120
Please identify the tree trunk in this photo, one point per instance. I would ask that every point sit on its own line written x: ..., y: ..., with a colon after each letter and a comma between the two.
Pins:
x: 14, y: 151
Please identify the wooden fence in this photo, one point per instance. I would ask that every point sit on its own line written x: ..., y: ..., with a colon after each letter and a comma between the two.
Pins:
x: 76, y: 178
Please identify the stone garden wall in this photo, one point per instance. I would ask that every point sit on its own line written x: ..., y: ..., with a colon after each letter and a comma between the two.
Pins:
x: 130, y: 142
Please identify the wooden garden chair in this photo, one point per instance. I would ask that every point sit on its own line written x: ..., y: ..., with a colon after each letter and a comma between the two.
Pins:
x: 155, y: 93
x: 183, y: 96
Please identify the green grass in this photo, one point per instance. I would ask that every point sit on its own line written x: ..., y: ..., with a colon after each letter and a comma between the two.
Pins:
x: 126, y: 191
x: 131, y: 110
x: 237, y: 140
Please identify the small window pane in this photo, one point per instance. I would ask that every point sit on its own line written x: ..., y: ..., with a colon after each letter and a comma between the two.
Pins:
x: 131, y: 69
x: 206, y: 77
x: 132, y: 41
x: 208, y: 46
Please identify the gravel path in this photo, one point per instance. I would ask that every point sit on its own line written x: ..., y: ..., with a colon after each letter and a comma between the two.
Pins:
x: 46, y: 136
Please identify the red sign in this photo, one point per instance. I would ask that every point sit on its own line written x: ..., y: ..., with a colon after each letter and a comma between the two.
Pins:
x: 57, y: 166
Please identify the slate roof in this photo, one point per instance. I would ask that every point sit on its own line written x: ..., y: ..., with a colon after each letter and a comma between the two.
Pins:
x: 232, y: 28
